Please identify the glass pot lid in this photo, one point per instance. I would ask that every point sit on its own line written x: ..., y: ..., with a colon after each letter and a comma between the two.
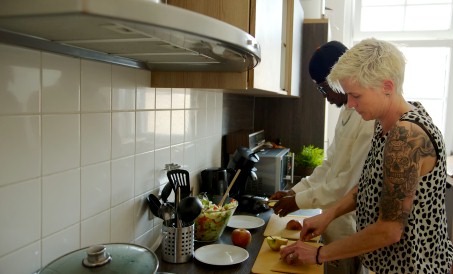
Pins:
x: 105, y: 259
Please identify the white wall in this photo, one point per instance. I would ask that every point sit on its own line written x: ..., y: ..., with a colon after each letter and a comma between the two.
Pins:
x: 82, y: 144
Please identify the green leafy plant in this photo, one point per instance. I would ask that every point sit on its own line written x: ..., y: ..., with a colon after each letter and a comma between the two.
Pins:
x: 309, y: 156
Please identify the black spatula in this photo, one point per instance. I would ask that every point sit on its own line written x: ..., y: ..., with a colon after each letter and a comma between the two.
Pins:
x: 180, y: 177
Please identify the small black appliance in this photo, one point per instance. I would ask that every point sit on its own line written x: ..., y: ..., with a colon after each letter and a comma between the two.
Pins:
x: 214, y: 182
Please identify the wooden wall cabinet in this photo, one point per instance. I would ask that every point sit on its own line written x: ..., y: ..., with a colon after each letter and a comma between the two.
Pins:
x: 276, y: 24
x: 297, y: 121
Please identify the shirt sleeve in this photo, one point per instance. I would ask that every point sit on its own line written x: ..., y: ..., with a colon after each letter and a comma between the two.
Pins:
x: 321, y: 189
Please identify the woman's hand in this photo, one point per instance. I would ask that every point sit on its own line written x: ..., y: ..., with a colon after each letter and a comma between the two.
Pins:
x: 315, y: 226
x: 298, y: 253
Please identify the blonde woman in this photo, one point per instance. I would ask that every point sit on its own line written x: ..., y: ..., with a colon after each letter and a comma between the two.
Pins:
x: 400, y: 198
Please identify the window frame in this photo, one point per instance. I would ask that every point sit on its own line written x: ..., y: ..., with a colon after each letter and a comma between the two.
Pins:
x: 396, y: 35
x: 416, y: 39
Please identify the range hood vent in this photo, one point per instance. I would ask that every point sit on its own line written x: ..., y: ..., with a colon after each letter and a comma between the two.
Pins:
x: 135, y: 33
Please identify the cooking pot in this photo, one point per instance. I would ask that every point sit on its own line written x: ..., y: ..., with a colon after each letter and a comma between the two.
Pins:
x: 105, y: 259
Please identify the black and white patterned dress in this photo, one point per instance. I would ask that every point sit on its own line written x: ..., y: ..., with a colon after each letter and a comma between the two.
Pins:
x: 424, y: 246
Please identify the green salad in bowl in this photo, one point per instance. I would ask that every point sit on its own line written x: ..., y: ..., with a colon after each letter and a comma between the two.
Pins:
x: 211, y: 222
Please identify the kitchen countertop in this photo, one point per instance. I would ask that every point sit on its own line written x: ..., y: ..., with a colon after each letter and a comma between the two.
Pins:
x: 194, y: 266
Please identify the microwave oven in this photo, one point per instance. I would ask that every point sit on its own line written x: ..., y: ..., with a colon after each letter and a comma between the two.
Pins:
x: 274, y: 172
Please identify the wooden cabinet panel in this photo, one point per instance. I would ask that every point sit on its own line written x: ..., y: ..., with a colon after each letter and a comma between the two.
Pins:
x: 297, y: 121
x: 234, y: 12
x: 276, y: 24
x: 266, y: 27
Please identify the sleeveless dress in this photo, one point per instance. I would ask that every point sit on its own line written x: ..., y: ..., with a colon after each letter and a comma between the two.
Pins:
x: 424, y: 246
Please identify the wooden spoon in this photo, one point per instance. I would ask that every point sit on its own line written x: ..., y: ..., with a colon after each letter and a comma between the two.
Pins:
x: 229, y: 188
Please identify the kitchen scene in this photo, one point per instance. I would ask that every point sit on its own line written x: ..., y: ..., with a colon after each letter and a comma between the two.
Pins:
x: 147, y: 136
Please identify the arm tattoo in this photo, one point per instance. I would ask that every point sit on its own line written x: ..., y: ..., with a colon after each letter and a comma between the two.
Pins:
x: 405, y: 147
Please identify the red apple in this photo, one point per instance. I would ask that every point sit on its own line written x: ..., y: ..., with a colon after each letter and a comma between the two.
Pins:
x: 241, y: 237
x: 294, y: 225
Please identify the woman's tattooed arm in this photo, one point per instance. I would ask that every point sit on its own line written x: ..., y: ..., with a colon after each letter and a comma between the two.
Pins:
x: 406, y: 148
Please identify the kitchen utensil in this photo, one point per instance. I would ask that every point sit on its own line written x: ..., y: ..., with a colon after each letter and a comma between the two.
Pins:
x: 180, y: 177
x: 189, y: 208
x: 229, y: 188
x: 166, y: 192
x: 154, y: 204
x: 177, y: 199
x: 166, y: 212
x: 108, y: 259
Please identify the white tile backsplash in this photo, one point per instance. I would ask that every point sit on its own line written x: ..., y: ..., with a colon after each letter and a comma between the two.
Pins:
x: 144, y: 173
x: 82, y: 144
x: 142, y: 220
x: 60, y: 201
x: 122, y: 223
x: 14, y: 263
x: 18, y: 96
x: 177, y: 127
x: 20, y: 214
x: 60, y: 142
x: 190, y: 124
x: 123, y: 88
x: 122, y: 180
x: 163, y: 98
x: 162, y: 156
x: 178, y: 96
x: 123, y: 134
x: 96, y: 86
x: 95, y: 138
x: 163, y: 132
x: 145, y: 129
x: 146, y: 96
x: 95, y: 230
x: 95, y: 189
x: 60, y: 84
x: 20, y: 148
x: 60, y: 243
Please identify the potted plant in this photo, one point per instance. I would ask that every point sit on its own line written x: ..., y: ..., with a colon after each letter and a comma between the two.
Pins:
x: 307, y: 159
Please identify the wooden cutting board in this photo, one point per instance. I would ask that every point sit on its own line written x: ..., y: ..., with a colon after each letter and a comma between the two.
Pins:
x: 277, y: 227
x: 268, y: 262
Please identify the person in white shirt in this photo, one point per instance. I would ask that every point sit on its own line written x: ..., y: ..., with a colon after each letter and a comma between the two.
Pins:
x: 341, y: 169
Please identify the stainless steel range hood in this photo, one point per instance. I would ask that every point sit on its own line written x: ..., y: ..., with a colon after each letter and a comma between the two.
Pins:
x: 136, y: 33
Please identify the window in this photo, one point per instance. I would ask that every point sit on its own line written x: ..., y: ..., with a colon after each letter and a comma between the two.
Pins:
x: 424, y: 30
x: 405, y: 15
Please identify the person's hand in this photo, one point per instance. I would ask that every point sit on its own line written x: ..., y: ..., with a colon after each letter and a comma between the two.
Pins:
x: 280, y: 194
x: 314, y: 226
x: 298, y: 253
x: 285, y: 205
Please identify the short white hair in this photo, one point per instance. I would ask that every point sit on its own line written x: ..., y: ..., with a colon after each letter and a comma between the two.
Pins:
x: 368, y: 64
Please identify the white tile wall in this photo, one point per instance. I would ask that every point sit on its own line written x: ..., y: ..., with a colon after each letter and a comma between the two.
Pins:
x: 82, y: 144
